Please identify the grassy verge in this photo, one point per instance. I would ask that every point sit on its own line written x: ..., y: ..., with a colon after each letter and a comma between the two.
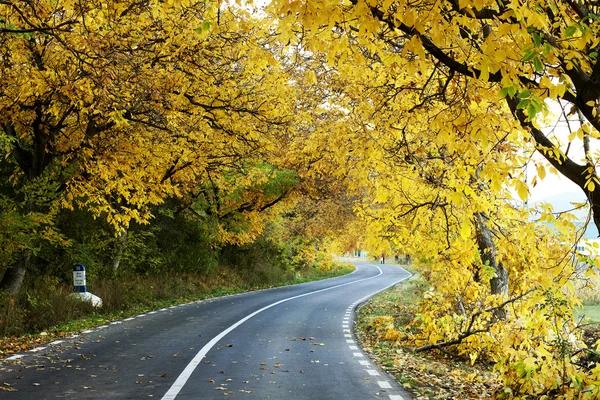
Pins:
x: 426, y: 375
x: 45, y: 311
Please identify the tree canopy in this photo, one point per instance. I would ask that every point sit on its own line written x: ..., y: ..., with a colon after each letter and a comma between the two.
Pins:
x: 400, y: 127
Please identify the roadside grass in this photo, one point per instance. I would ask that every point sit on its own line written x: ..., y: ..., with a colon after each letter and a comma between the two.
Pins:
x: 426, y: 375
x: 590, y: 312
x: 45, y: 311
x: 588, y: 290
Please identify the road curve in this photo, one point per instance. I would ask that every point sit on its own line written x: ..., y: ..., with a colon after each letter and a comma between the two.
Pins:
x: 294, y: 342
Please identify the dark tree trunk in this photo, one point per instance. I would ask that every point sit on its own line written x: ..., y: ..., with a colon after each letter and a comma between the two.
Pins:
x: 487, y: 250
x: 14, y: 276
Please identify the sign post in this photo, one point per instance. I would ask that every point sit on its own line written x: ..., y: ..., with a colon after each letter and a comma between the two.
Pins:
x: 79, y: 279
x: 80, y: 287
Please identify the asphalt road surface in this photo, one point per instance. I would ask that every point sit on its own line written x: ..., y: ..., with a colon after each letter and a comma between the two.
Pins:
x: 288, y: 343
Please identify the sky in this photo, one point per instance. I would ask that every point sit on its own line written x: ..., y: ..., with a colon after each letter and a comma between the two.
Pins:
x: 555, y: 189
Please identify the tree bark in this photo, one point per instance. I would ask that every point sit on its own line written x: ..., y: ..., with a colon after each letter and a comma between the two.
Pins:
x: 487, y: 251
x: 120, y: 247
x: 14, y: 276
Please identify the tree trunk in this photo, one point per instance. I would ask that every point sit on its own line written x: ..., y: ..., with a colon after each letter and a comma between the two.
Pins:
x: 487, y: 250
x: 120, y: 246
x: 14, y: 276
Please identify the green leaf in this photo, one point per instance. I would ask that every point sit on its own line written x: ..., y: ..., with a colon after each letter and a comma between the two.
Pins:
x: 570, y: 31
x: 531, y: 111
x: 594, y: 55
x: 538, y: 65
x: 206, y: 25
x: 524, y: 94
x: 547, y: 49
x: 529, y: 54
x: 523, y: 104
x: 537, y: 40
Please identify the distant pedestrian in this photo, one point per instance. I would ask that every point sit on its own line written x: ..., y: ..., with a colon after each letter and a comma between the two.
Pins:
x: 383, y: 259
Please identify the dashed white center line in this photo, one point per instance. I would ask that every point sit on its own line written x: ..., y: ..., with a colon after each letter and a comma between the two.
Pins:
x: 373, y: 372
x: 353, y: 347
x: 357, y: 355
x: 349, y: 341
x: 384, y: 384
x: 364, y: 362
x: 189, y: 369
x: 347, y: 335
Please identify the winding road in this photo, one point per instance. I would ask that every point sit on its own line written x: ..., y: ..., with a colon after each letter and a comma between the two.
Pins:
x: 294, y: 342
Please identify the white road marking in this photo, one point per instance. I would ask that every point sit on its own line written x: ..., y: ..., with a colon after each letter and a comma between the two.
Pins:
x: 349, y: 341
x: 353, y: 347
x: 56, y: 342
x: 384, y: 384
x: 396, y: 397
x: 38, y: 349
x: 347, y: 335
x: 357, y: 355
x: 88, y: 331
x: 373, y: 372
x: 346, y: 330
x: 363, y: 362
x: 129, y: 319
x: 189, y: 369
x: 15, y: 357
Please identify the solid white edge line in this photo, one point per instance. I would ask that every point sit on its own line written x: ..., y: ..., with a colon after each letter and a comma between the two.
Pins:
x: 189, y: 369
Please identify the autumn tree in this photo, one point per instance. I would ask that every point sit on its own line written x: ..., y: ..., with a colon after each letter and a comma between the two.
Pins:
x: 115, y: 106
x: 525, y: 52
x: 438, y: 165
